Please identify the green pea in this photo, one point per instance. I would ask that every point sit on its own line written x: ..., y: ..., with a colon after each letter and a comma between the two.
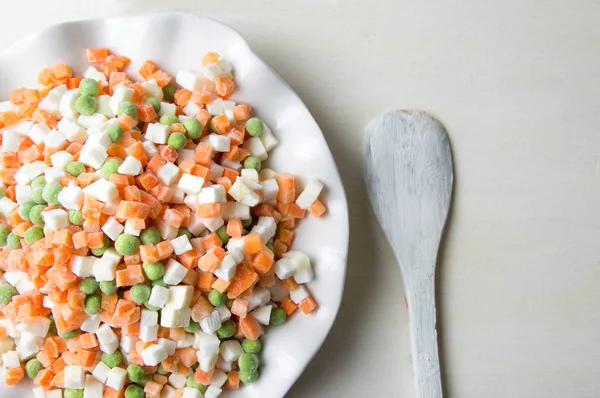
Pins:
x: 33, y: 234
x: 25, y: 208
x: 76, y: 217
x: 222, y: 233
x: 161, y: 370
x: 191, y: 383
x: 52, y: 329
x: 110, y: 167
x: 92, y: 304
x: 154, y: 102
x: 150, y: 236
x: 88, y: 86
x: 192, y: 327
x: 37, y: 196
x: 192, y: 127
x: 150, y: 306
x: 169, y: 92
x: 35, y: 215
x: 177, y: 141
x: 248, y: 362
x: 68, y: 335
x: 140, y: 293
x: 108, y: 287
x: 89, y: 286
x: 72, y: 393
x: 133, y: 391
x: 211, y: 127
x: 126, y: 107
x: 75, y: 168
x: 114, y: 132
x: 2, y: 194
x: 168, y: 119
x: 6, y: 294
x: 98, y: 251
x: 112, y: 360
x: 252, y: 162
x: 159, y: 282
x: 254, y: 126
x: 270, y: 246
x: 278, y: 316
x: 38, y: 182
x: 86, y: 105
x: 184, y: 231
x: 248, y: 377
x: 251, y: 346
x: 13, y: 241
x: 127, y: 244
x: 153, y: 271
x: 226, y: 330
x: 135, y: 372
x: 51, y: 191
x: 4, y: 232
x: 216, y: 297
x: 247, y: 223
x: 229, y: 303
x: 33, y: 367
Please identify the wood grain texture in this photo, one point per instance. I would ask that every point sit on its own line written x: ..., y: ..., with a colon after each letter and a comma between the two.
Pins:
x: 408, y: 169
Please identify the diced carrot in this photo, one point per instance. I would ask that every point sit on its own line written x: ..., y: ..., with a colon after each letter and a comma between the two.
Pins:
x: 209, y: 58
x: 252, y: 243
x: 318, y: 208
x: 308, y: 305
x: 147, y: 68
x: 289, y: 284
x: 152, y: 389
x: 62, y: 71
x: 279, y: 248
x: 146, y: 112
x: 128, y: 209
x: 287, y: 223
x: 221, y: 123
x: 147, y: 180
x: 233, y: 381
x: 285, y: 236
x: 210, y: 241
x: 250, y: 327
x: 44, y: 378
x: 112, y: 393
x: 190, y: 258
x: 224, y: 86
x: 155, y: 163
x: 221, y: 285
x: 288, y: 306
x: 88, y: 340
x: 263, y: 261
x: 208, y: 210
x: 182, y: 97
x: 96, y: 54
x: 162, y: 193
x: 149, y: 253
x: 240, y: 307
x: 244, y: 279
x: 205, y: 281
x: 241, y: 113
x: 169, y: 153
x: 230, y: 173
x: 203, y: 377
x: 203, y: 116
x: 267, y: 280
x: 201, y: 97
x: 287, y: 190
x: 14, y: 375
x: 165, y: 249
x: 86, y: 358
x: 162, y: 78
x: 204, y: 154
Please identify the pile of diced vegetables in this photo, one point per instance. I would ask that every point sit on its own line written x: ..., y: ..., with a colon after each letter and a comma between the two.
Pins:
x: 145, y: 250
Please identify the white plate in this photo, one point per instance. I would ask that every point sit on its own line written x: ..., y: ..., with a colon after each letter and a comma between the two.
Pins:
x: 178, y: 41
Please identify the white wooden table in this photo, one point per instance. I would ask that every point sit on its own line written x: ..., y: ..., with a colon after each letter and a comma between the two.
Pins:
x: 517, y: 84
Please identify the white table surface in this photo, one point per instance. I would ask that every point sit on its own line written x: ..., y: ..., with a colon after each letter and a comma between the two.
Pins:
x: 517, y: 84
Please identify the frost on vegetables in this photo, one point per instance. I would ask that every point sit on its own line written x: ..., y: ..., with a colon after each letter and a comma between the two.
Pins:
x: 145, y: 248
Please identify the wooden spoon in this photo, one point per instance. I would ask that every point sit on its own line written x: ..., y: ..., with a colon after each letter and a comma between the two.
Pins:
x: 408, y: 170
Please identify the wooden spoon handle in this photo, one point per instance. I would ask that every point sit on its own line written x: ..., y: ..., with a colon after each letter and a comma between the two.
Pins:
x: 424, y: 345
